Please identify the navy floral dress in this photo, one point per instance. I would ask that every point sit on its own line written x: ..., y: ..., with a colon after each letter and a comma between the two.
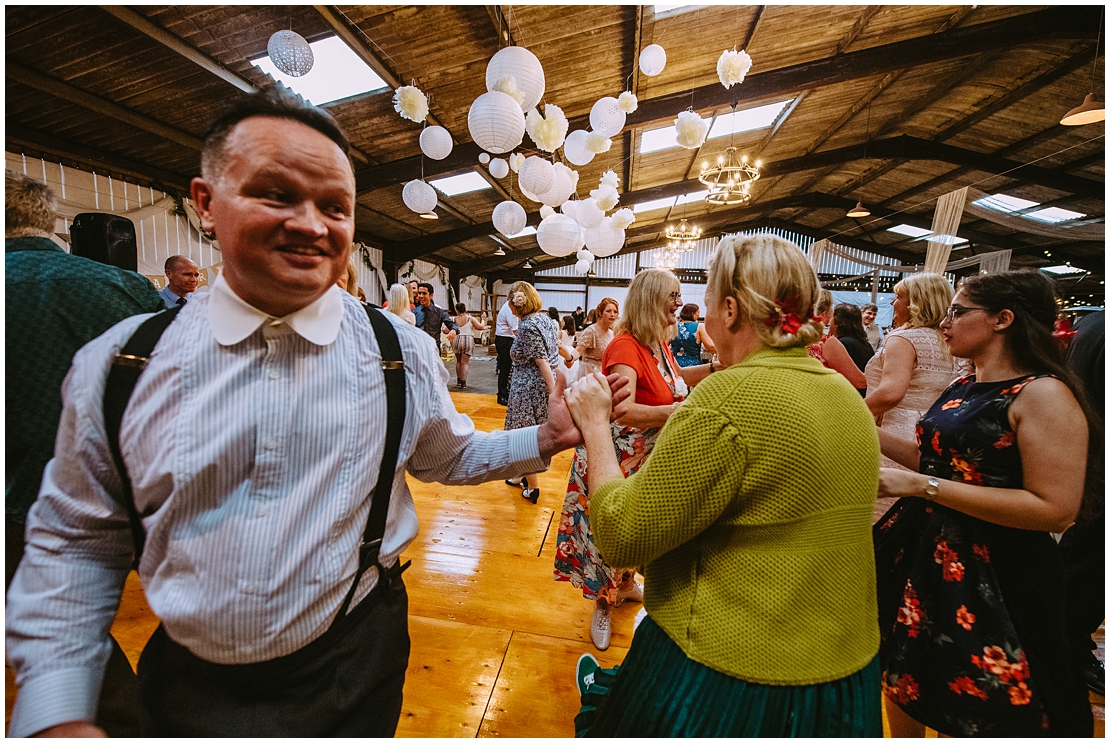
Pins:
x: 971, y: 613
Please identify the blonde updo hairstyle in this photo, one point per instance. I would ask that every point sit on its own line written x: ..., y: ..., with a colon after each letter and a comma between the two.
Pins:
x: 928, y: 296
x: 756, y: 270
x: 647, y: 310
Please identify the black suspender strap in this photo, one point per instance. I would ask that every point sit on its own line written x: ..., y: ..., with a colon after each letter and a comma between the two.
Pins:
x: 122, y: 377
x: 393, y: 367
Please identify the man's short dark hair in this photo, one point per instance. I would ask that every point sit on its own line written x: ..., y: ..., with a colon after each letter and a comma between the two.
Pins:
x: 866, y: 307
x: 274, y: 101
x: 30, y: 207
x: 460, y: 308
x: 425, y: 285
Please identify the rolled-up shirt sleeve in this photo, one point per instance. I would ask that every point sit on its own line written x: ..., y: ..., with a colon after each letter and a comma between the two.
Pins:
x: 67, y: 589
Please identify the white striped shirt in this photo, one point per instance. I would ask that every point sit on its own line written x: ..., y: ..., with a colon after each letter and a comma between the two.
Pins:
x: 252, y: 451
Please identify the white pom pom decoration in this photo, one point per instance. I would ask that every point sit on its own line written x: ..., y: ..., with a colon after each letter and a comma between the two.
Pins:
x: 546, y: 211
x: 515, y: 161
x: 522, y: 65
x: 587, y: 213
x: 419, y: 196
x: 435, y: 142
x: 732, y: 67
x: 584, y: 255
x: 610, y: 178
x: 597, y: 143
x: 509, y: 218
x: 605, y: 196
x: 690, y: 130
x: 548, y: 133
x: 652, y: 60
x: 536, y: 175
x: 574, y: 148
x: 627, y: 102
x: 498, y: 168
x: 410, y: 103
x: 606, y: 117
x: 582, y: 267
x: 483, y: 158
x: 559, y: 236
x: 508, y: 86
x: 623, y: 217
x: 605, y: 239
x: 496, y: 122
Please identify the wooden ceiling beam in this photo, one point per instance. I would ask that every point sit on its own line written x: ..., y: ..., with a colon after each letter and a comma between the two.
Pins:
x: 1075, y: 22
x: 73, y: 94
x: 145, y: 26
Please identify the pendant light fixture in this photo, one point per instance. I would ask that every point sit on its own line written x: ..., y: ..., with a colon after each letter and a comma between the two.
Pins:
x: 527, y: 263
x: 859, y: 210
x: 499, y: 251
x: 1090, y: 110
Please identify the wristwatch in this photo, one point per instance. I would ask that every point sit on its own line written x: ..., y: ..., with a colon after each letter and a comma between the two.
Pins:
x: 932, y: 487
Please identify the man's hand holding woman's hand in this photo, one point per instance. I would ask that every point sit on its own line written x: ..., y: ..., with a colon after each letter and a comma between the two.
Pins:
x: 559, y: 431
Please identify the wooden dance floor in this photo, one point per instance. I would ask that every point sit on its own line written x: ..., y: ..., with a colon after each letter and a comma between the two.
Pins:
x: 494, y: 638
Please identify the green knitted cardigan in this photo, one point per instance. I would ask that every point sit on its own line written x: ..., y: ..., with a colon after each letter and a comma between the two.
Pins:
x: 753, y: 518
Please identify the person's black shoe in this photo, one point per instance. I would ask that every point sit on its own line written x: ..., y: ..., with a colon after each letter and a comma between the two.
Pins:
x: 1094, y: 673
x: 502, y: 401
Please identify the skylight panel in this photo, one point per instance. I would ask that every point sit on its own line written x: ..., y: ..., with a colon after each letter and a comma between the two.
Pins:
x: 658, y: 139
x: 690, y: 198
x: 909, y: 230
x: 1054, y: 214
x: 458, y: 184
x: 1058, y: 270
x: 664, y: 10
x: 1005, y: 203
x: 529, y: 230
x: 747, y: 120
x: 337, y: 73
x: 650, y: 206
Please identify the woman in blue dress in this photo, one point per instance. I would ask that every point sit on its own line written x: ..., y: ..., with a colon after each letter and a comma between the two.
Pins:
x: 686, y: 346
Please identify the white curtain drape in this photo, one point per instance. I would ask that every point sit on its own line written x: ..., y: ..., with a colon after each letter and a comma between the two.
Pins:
x: 946, y: 222
x: 816, y: 251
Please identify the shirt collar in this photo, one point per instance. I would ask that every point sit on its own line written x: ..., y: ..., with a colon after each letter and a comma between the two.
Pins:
x: 232, y: 319
x: 31, y: 242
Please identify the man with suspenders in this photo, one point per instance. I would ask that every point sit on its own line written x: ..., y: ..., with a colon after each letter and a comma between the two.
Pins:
x: 247, y: 450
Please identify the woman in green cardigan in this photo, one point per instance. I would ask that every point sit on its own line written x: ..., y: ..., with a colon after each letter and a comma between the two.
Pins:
x: 752, y: 521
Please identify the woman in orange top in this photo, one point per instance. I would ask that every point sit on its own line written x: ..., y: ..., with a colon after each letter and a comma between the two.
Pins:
x: 641, y: 353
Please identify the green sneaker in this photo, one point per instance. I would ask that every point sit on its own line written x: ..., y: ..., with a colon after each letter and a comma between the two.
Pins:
x: 587, y: 665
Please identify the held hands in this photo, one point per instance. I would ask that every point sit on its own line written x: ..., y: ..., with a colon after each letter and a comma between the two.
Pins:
x: 591, y: 401
x: 559, y: 432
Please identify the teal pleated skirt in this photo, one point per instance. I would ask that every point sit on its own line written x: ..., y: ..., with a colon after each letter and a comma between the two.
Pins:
x: 659, y: 692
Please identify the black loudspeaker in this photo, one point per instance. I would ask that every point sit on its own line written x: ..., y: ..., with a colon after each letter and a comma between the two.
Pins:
x: 105, y: 238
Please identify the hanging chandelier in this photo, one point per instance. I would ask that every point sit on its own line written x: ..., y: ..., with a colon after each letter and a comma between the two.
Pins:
x: 666, y: 258
x: 730, y: 179
x: 683, y: 232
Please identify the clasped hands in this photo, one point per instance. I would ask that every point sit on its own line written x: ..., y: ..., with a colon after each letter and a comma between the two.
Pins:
x: 596, y: 400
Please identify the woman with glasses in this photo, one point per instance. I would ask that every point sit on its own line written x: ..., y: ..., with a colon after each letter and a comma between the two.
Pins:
x: 971, y: 583
x: 753, y: 518
x: 640, y: 352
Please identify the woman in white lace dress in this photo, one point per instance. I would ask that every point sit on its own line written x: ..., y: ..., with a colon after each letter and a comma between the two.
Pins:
x: 913, y: 365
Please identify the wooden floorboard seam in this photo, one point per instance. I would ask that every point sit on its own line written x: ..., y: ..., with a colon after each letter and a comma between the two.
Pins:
x: 493, y: 686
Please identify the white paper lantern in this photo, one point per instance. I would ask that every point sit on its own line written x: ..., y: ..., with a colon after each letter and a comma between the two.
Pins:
x: 582, y: 267
x: 588, y: 214
x: 605, y: 239
x: 509, y: 218
x: 527, y: 194
x: 574, y: 147
x: 606, y: 117
x: 419, y: 196
x: 522, y: 65
x: 546, y: 211
x: 584, y: 255
x: 498, y: 168
x: 561, y: 189
x: 290, y: 53
x: 536, y: 175
x: 559, y: 236
x: 496, y: 122
x: 435, y: 142
x: 483, y: 157
x: 569, y: 208
x: 652, y: 60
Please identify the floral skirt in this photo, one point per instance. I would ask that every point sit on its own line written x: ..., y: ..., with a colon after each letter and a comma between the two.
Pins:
x: 576, y: 555
x: 971, y: 620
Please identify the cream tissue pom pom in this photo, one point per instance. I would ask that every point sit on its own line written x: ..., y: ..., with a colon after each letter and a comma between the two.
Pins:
x: 627, y: 102
x: 411, y: 103
x: 623, y: 217
x: 691, y: 130
x: 606, y: 197
x: 548, y: 133
x: 732, y: 66
x: 609, y: 178
x: 508, y: 86
x: 516, y: 160
x: 597, y: 143
x: 546, y: 211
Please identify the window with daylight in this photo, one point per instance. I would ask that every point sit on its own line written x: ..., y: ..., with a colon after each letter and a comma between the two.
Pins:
x: 909, y: 230
x: 337, y: 73
x: 1004, y: 203
x: 748, y: 120
x: 1060, y: 270
x: 457, y: 184
x: 1053, y: 214
x: 668, y: 202
x: 662, y: 11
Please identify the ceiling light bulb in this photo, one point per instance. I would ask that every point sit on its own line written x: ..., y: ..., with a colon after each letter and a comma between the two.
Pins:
x: 499, y: 251
x: 1088, y: 112
x: 429, y: 215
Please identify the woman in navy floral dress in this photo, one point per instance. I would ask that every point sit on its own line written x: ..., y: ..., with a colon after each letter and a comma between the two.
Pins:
x: 970, y: 580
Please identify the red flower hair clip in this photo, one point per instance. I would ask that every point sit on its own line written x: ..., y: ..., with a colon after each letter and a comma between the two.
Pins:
x: 786, y: 315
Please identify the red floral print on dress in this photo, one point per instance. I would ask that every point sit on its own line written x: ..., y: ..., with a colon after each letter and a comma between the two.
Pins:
x: 904, y: 691
x: 968, y: 469
x: 966, y: 685
x: 917, y: 431
x: 1020, y: 694
x: 981, y: 552
x: 1006, y: 440
x: 936, y: 442
x: 951, y: 404
x: 951, y: 567
x: 911, y: 613
x: 964, y: 618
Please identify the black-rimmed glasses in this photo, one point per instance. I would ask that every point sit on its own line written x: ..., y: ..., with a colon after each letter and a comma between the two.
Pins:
x: 956, y: 310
